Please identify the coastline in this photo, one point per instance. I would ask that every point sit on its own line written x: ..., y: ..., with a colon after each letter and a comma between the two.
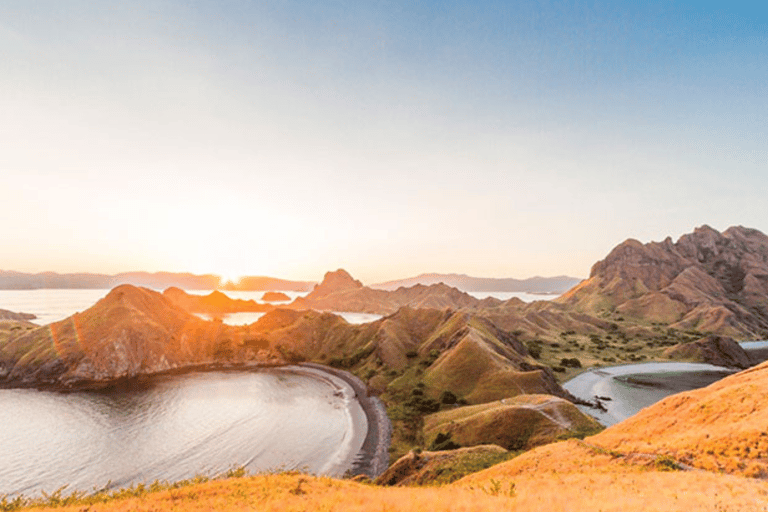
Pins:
x: 373, y: 458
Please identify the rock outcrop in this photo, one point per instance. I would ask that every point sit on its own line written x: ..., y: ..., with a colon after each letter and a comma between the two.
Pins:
x: 275, y: 297
x: 707, y: 281
x: 340, y: 292
x: 716, y: 350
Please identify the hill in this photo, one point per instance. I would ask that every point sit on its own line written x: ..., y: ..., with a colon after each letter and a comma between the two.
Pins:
x: 467, y: 283
x: 215, y: 303
x: 10, y: 315
x: 340, y: 292
x: 130, y: 332
x: 717, y: 428
x: 707, y: 281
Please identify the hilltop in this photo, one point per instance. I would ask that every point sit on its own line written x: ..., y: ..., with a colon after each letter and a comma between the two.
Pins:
x: 340, y: 292
x: 707, y: 281
x: 130, y: 332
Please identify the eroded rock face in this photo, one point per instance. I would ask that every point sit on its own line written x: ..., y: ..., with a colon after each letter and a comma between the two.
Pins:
x: 706, y: 281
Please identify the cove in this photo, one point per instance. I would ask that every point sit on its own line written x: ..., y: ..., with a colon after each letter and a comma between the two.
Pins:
x: 172, y: 427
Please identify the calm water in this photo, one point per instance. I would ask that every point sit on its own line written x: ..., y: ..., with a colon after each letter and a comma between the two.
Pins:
x: 176, y: 427
x: 54, y: 305
x: 633, y: 387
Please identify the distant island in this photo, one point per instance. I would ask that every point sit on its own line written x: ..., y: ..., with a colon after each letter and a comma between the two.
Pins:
x: 544, y: 285
x: 11, y: 280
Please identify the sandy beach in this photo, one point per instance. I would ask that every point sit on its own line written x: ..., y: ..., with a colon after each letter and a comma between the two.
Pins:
x: 373, y: 457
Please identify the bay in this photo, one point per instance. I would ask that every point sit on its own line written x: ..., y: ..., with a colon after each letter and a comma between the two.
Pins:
x: 176, y: 427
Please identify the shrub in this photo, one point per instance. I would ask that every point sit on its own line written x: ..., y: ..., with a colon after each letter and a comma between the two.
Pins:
x: 570, y: 362
x: 534, y: 348
x: 448, y: 398
x: 442, y: 442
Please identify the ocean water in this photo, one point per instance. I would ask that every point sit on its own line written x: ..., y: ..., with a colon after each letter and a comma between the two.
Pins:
x: 630, y: 388
x: 524, y: 296
x: 175, y: 427
x: 52, y: 305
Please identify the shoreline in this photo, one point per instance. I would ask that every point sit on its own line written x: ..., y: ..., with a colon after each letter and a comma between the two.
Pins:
x: 373, y: 458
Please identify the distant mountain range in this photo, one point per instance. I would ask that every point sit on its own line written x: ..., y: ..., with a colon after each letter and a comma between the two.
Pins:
x: 10, y: 280
x: 559, y: 284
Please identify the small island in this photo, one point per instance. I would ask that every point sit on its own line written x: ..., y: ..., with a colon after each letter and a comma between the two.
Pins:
x: 275, y: 297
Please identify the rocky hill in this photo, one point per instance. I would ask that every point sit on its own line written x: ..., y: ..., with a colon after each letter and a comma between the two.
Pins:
x: 132, y: 331
x: 707, y: 281
x: 340, y: 292
x: 517, y: 423
x: 214, y: 304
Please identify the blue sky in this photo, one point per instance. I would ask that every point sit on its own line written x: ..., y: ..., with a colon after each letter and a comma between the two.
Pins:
x: 390, y: 138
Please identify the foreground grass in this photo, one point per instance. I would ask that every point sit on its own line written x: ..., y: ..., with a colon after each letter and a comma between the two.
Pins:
x: 566, y: 476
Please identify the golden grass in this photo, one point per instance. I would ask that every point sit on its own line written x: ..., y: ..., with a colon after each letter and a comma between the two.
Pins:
x: 573, y: 475
x: 721, y: 427
x: 567, y: 476
x: 519, y: 422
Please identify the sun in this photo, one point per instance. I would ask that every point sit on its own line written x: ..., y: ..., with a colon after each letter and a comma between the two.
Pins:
x: 229, y: 278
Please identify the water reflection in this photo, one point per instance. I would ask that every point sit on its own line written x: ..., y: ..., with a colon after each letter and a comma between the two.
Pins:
x: 171, y: 428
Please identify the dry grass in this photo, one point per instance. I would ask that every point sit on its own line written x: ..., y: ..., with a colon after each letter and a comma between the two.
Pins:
x: 568, y: 476
x: 515, y: 423
x: 719, y: 428
x: 573, y: 475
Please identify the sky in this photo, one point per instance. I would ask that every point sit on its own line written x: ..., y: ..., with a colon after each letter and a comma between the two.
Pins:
x: 390, y: 138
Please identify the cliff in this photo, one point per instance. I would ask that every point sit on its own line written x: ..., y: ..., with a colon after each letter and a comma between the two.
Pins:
x: 707, y: 281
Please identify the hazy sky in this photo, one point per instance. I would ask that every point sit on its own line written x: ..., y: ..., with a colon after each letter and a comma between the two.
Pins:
x: 390, y: 138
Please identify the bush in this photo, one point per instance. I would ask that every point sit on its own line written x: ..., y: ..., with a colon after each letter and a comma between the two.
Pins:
x: 534, y: 348
x: 442, y: 442
x: 571, y: 362
x: 448, y: 398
